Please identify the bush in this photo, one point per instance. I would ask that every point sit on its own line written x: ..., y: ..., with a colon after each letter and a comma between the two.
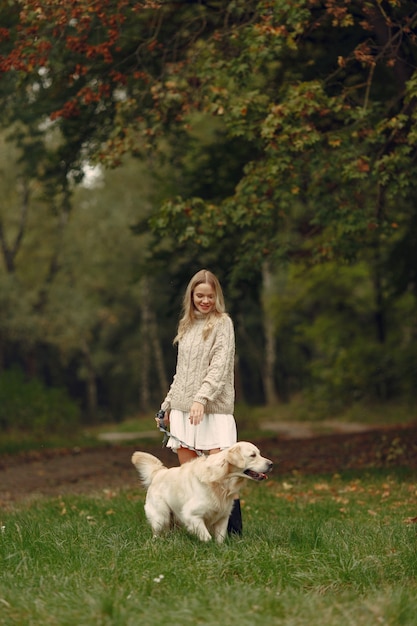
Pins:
x: 30, y: 406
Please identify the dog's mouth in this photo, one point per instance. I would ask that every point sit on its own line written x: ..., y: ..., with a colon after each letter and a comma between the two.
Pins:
x: 255, y: 475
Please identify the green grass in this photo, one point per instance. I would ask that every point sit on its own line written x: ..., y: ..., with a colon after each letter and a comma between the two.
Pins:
x: 334, y: 551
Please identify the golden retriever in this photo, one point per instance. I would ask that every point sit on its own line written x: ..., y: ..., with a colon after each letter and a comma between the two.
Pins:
x: 199, y: 494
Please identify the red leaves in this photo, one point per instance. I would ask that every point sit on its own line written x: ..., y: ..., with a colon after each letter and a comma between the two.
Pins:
x: 69, y: 110
x: 152, y: 45
x: 363, y: 165
x: 89, y: 29
x: 4, y: 34
x: 363, y: 54
x: 71, y: 38
x: 76, y: 44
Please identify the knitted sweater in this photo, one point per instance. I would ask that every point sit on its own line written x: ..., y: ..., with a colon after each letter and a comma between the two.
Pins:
x: 205, y: 369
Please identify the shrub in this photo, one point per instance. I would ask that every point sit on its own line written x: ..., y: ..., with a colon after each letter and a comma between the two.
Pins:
x: 30, y: 406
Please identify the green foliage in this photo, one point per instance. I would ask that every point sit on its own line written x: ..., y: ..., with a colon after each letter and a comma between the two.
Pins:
x: 279, y: 131
x: 70, y: 303
x: 333, y: 551
x: 328, y: 174
x: 327, y: 338
x: 29, y: 406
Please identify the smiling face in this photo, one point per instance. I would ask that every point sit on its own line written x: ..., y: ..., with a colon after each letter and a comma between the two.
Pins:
x: 204, y: 298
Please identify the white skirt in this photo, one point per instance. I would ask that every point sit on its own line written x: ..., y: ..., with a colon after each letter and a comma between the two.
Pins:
x: 216, y: 430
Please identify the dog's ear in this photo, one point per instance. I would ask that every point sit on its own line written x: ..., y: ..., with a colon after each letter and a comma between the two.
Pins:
x: 235, y: 456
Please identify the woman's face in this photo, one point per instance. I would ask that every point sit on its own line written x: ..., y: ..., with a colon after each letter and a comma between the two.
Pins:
x: 204, y: 298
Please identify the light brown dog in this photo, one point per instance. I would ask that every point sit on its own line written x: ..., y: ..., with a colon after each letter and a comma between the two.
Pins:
x: 199, y: 494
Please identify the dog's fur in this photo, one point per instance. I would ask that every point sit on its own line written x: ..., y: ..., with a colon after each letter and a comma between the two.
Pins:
x: 199, y: 493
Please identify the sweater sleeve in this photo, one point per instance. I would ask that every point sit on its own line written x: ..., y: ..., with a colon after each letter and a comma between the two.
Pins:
x: 220, y: 362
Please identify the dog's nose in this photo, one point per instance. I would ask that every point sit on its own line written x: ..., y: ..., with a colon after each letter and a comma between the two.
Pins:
x: 270, y: 466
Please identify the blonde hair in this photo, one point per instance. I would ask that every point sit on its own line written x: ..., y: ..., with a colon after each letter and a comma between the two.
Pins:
x: 188, y: 309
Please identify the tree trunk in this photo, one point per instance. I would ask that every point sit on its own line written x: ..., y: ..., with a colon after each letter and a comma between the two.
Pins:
x: 380, y: 322
x: 91, y: 384
x: 377, y: 272
x: 379, y: 306
x: 144, y: 400
x: 158, y: 354
x: 269, y: 332
x: 9, y: 252
x: 144, y: 395
x: 1, y: 353
x: 151, y: 349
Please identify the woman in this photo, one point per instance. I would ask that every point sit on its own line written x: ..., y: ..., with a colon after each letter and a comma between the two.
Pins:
x: 200, y: 403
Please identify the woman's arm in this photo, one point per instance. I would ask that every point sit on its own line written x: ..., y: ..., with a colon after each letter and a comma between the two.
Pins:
x: 221, y: 355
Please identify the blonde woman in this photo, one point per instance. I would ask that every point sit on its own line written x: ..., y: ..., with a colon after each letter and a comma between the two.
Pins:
x: 200, y: 402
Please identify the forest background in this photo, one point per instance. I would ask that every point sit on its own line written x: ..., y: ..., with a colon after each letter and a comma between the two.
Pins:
x: 273, y: 142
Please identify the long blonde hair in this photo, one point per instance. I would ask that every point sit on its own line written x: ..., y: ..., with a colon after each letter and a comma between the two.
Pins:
x: 188, y: 310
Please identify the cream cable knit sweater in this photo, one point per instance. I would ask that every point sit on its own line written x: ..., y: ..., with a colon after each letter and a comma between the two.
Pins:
x: 205, y: 369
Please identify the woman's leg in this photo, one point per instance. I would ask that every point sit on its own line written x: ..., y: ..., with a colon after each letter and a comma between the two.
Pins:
x: 234, y: 526
x: 184, y: 455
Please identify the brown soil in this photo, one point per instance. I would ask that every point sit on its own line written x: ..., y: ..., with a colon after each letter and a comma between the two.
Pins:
x: 84, y: 471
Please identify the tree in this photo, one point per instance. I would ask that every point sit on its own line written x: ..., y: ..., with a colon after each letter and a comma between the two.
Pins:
x: 324, y: 95
x: 317, y: 100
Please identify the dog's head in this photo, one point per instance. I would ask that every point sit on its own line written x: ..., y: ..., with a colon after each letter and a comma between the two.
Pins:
x: 246, y: 461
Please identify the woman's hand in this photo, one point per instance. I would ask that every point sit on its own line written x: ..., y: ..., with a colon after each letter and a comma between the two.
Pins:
x: 196, y: 413
x: 165, y: 421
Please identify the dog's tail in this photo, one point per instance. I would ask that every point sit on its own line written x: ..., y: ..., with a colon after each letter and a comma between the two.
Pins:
x: 147, y: 466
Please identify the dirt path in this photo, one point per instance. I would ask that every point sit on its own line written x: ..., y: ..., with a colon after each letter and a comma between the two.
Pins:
x: 58, y: 472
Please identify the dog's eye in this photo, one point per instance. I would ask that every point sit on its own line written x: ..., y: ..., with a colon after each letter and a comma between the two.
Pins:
x: 253, y: 454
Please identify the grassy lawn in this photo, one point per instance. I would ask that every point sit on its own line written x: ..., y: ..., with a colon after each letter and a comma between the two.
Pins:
x: 316, y: 551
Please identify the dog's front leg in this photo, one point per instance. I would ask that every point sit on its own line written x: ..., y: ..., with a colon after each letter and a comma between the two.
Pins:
x: 220, y: 530
x: 192, y: 517
x: 195, y: 524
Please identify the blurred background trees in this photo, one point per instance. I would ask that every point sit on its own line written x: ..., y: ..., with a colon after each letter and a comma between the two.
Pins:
x: 273, y: 142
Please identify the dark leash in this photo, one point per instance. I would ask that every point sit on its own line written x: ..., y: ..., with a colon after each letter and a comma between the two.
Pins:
x: 160, y: 416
